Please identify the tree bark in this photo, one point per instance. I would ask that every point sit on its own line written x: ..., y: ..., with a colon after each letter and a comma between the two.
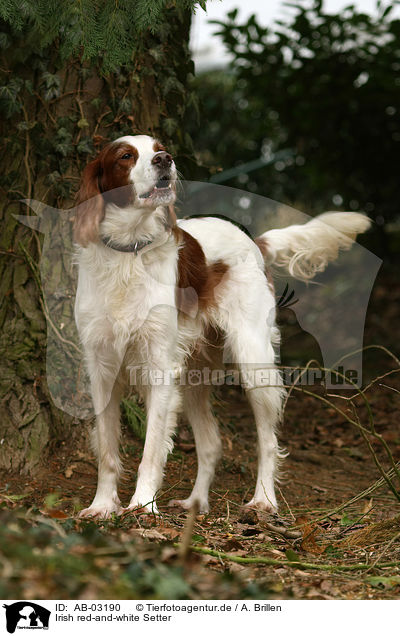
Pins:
x: 55, y: 115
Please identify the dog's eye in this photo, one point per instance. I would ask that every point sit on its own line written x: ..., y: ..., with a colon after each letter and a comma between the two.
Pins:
x: 127, y: 155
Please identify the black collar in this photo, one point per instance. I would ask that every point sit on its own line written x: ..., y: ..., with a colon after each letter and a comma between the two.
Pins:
x: 131, y: 247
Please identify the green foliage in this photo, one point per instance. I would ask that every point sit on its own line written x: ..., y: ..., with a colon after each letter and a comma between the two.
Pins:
x: 77, y: 74
x: 135, y: 417
x: 323, y: 87
x: 90, y: 29
x: 384, y: 582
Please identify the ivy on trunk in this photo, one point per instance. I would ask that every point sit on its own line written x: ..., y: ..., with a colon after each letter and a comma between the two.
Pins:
x: 74, y: 75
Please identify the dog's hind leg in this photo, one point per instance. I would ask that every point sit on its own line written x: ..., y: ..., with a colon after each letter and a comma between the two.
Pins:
x: 266, y: 403
x: 247, y: 318
x: 264, y: 390
x: 198, y: 411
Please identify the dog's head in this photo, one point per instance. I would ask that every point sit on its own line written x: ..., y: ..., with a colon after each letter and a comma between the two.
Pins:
x: 132, y: 171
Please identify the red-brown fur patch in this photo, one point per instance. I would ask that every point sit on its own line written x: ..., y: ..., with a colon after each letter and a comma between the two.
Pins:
x: 157, y: 146
x: 262, y: 244
x: 107, y: 173
x: 196, y: 279
x: 172, y: 218
x: 90, y: 211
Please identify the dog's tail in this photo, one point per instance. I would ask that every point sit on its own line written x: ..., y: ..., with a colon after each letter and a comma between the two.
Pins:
x: 304, y: 250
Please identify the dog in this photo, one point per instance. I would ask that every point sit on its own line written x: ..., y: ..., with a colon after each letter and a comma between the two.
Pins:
x: 160, y: 297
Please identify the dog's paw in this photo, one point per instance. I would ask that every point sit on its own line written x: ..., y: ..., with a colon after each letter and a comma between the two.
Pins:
x: 141, y: 510
x: 138, y: 508
x: 104, y: 511
x: 263, y: 505
x: 188, y: 503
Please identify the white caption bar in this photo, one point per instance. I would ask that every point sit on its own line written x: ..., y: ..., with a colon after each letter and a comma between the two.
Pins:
x: 166, y: 617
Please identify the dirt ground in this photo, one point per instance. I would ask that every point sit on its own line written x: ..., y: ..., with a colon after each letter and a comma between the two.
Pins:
x: 328, y: 464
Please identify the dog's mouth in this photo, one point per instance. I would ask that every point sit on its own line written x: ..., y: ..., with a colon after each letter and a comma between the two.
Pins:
x: 163, y: 185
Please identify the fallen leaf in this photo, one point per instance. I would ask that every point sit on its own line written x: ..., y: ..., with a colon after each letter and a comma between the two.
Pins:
x: 309, y: 532
x: 367, y: 507
x: 149, y: 533
x: 69, y: 471
x: 338, y: 442
x: 232, y: 544
x: 171, y: 533
x: 56, y: 514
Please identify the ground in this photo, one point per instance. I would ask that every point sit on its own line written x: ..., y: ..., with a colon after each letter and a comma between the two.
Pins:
x: 318, y: 526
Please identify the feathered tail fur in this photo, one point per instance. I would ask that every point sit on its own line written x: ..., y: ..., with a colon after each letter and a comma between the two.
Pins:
x: 304, y: 250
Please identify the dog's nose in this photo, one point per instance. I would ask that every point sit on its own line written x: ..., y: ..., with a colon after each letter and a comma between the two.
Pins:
x: 162, y: 159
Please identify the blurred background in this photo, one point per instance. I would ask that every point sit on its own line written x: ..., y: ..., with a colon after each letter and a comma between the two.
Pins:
x: 300, y: 102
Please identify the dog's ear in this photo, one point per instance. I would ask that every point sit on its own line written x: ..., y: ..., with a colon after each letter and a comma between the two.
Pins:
x: 89, y: 205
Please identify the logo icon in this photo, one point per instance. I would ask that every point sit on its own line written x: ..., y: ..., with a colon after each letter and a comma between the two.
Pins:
x: 26, y: 615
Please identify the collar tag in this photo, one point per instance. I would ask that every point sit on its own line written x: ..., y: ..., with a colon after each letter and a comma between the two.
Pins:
x: 132, y: 248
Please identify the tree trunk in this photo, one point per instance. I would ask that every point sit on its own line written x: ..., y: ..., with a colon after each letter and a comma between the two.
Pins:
x: 55, y: 115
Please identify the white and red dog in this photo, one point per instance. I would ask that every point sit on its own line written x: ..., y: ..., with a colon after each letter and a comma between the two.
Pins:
x: 162, y: 296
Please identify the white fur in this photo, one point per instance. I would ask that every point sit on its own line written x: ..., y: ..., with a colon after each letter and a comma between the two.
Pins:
x: 307, y: 249
x: 144, y: 174
x: 127, y: 318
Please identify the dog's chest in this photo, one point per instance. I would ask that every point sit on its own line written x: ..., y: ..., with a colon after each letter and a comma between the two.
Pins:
x: 127, y: 296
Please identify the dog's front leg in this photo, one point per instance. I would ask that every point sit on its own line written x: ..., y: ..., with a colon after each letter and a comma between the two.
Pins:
x: 161, y: 420
x: 162, y: 403
x: 106, y: 395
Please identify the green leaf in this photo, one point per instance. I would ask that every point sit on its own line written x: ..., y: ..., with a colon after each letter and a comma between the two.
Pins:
x: 346, y: 520
x: 50, y: 86
x: 383, y: 581
x: 83, y: 123
x: 26, y: 125
x: 5, y: 41
x: 15, y: 497
x: 52, y: 499
x: 85, y: 146
x: 170, y: 125
x: 291, y: 555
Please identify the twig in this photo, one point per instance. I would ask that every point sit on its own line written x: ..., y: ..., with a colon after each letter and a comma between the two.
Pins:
x: 386, y: 548
x: 366, y: 388
x: 372, y: 346
x: 364, y: 432
x: 287, y: 505
x: 46, y: 107
x: 377, y: 484
x: 300, y: 565
x: 27, y: 153
x: 392, y: 388
x: 184, y: 547
x: 10, y: 253
x: 285, y: 532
